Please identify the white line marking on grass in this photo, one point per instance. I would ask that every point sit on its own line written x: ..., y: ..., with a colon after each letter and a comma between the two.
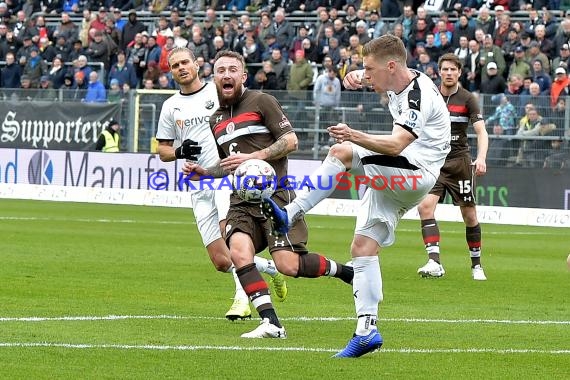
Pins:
x: 88, y: 220
x: 192, y: 222
x: 298, y: 349
x: 298, y: 319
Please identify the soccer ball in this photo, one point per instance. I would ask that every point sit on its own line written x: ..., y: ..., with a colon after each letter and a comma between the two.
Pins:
x: 254, y: 180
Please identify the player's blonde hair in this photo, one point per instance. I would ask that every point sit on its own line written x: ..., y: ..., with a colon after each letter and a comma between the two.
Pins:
x: 386, y: 48
x: 179, y: 49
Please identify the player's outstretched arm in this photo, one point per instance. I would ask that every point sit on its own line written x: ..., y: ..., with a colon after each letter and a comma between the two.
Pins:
x: 391, y: 145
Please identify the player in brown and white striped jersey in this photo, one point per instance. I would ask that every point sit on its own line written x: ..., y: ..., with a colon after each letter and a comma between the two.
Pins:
x: 457, y: 176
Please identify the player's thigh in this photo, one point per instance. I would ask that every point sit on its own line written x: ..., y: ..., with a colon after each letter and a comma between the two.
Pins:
x: 222, y: 200
x: 206, y: 215
x: 458, y: 179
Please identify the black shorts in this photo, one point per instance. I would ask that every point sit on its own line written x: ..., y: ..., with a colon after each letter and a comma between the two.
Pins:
x: 457, y: 178
x: 248, y: 218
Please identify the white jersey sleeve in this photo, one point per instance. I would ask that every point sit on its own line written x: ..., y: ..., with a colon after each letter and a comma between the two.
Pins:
x: 187, y: 116
x: 421, y: 110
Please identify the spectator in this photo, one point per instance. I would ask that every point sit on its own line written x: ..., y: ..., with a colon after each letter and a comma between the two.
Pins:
x: 326, y: 97
x: 62, y: 49
x: 462, y: 29
x: 47, y: 92
x: 531, y: 153
x: 546, y: 46
x: 534, y: 53
x: 164, y: 82
x: 122, y: 71
x: 265, y: 78
x: 66, y: 28
x: 297, y: 43
x: 76, y: 51
x: 407, y: 20
x: 163, y: 61
x: 485, y: 21
x: 114, y: 94
x: 541, y: 77
x: 96, y: 92
x: 35, y: 67
x: 340, y: 32
x: 376, y: 26
x: 10, y: 74
x: 495, y: 83
x: 559, y: 86
x: 152, y: 72
x: 108, y: 141
x: 284, y: 31
x: 563, y: 59
x: 201, y: 47
x: 99, y: 51
x: 280, y: 68
x: 558, y: 156
x: 520, y: 66
x: 57, y: 73
x: 300, y: 78
x: 504, y: 123
x: 462, y: 51
x: 136, y: 52
x: 118, y: 20
x: 492, y: 53
x: 131, y: 29
x: 473, y: 68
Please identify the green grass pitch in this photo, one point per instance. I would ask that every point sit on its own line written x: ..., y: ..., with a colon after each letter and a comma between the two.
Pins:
x: 90, y: 291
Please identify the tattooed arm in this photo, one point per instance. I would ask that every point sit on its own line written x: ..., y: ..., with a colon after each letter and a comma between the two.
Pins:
x: 286, y: 144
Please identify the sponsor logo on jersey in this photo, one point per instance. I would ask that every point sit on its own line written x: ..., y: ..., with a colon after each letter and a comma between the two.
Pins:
x: 209, y: 105
x: 284, y: 123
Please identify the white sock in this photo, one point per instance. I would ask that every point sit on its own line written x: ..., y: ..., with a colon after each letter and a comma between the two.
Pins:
x: 367, y: 290
x: 265, y: 266
x: 324, y: 179
x: 240, y: 293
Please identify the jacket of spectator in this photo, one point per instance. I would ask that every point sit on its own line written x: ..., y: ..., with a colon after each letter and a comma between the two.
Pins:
x: 300, y: 77
x: 10, y: 74
x: 96, y: 92
x: 284, y: 31
x: 124, y: 72
x: 280, y: 68
x: 131, y: 28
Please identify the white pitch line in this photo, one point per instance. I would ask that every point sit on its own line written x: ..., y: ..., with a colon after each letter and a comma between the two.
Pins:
x: 192, y: 222
x: 301, y: 349
x: 295, y: 319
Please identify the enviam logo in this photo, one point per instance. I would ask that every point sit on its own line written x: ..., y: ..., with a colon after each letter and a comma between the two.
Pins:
x: 40, y: 169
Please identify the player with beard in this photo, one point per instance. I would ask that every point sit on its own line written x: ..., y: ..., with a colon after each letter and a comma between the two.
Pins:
x: 251, y: 125
x: 457, y: 176
x: 184, y: 133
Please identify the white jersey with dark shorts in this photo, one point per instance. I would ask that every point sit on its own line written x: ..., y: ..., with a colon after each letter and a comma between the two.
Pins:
x: 187, y: 116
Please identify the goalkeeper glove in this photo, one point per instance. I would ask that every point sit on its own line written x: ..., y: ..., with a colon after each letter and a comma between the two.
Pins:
x: 188, y: 150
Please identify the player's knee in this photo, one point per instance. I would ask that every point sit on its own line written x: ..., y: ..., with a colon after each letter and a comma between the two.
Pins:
x: 343, y: 153
x: 424, y: 210
x: 222, y: 263
x: 288, y: 266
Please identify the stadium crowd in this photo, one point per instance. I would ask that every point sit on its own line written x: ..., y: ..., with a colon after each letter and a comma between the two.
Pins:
x: 515, y: 48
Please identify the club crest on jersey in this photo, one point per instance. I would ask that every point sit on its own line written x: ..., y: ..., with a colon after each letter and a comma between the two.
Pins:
x: 209, y: 105
x: 284, y: 123
x: 230, y: 128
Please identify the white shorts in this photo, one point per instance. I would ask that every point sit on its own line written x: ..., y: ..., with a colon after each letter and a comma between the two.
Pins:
x: 392, y: 192
x: 210, y: 207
